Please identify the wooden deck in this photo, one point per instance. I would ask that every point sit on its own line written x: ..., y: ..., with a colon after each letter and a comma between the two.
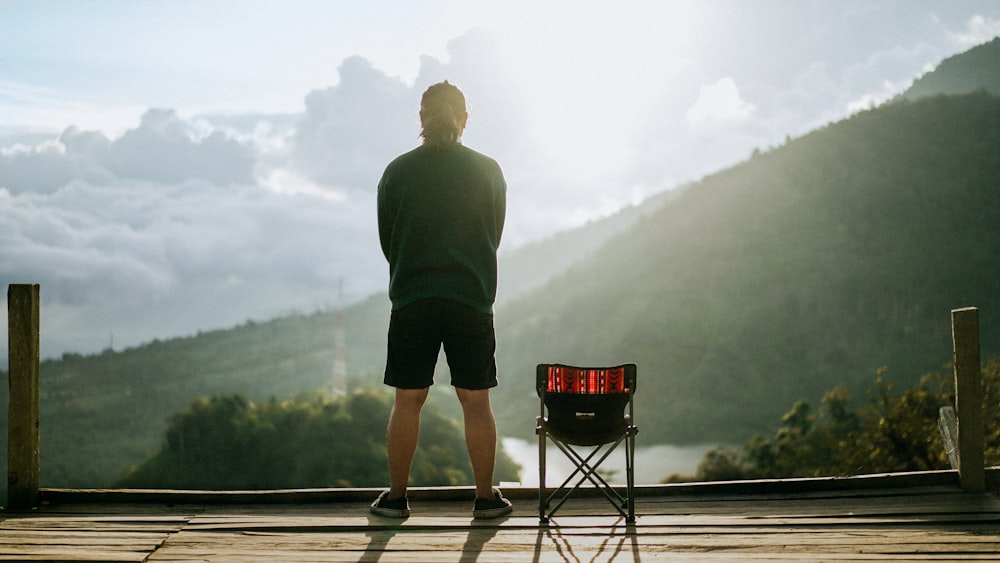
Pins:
x: 885, y: 518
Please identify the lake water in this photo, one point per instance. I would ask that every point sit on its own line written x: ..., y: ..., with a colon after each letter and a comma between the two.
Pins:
x: 652, y: 463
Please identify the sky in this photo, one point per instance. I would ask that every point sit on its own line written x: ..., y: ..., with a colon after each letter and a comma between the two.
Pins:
x: 174, y: 166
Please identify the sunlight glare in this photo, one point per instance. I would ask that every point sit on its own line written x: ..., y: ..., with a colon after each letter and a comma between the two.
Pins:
x: 593, y: 73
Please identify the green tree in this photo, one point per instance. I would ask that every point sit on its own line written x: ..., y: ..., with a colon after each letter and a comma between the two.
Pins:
x: 892, y: 432
x: 232, y: 443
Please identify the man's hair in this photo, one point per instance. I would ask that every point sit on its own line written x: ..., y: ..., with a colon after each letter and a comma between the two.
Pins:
x: 442, y: 112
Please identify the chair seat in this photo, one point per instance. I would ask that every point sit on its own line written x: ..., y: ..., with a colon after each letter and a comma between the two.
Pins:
x: 586, y: 420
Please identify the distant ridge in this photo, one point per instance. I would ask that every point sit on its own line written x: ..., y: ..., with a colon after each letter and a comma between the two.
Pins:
x: 976, y: 69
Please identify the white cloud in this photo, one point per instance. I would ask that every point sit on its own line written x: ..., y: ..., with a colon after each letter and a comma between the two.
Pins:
x: 720, y: 101
x: 65, y: 241
x: 978, y: 29
x: 163, y: 148
x: 349, y: 131
x: 166, y: 149
x: 284, y: 182
x: 181, y: 257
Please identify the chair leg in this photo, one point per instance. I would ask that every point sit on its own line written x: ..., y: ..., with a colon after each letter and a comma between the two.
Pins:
x: 585, y: 470
x: 630, y: 475
x: 541, y: 475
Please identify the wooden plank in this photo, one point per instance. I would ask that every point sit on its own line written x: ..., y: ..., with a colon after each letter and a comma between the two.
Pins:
x: 558, y: 557
x: 442, y: 547
x: 969, y: 507
x: 929, y: 523
x: 76, y: 555
x: 68, y: 537
x: 971, y: 510
x: 91, y: 524
x: 456, y: 513
x: 968, y: 398
x: 23, y: 413
x: 850, y: 484
x: 707, y: 536
x: 82, y: 546
x: 962, y: 505
x: 82, y: 536
x: 440, y: 538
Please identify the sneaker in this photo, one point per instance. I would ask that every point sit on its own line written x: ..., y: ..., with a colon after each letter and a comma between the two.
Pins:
x: 393, y: 508
x: 492, y: 507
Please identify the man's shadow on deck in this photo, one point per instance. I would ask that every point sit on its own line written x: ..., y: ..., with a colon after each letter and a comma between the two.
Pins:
x: 478, y: 537
x: 380, y: 533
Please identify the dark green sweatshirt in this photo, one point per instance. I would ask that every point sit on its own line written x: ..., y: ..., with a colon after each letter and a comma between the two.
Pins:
x: 440, y: 217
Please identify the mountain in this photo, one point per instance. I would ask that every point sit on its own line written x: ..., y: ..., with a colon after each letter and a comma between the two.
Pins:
x: 811, y: 265
x: 975, y: 69
x: 528, y: 267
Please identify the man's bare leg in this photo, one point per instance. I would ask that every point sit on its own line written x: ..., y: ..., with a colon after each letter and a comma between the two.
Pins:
x: 480, y: 437
x: 401, y: 437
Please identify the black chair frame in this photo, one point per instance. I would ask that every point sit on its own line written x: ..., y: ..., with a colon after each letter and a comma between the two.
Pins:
x: 613, y: 413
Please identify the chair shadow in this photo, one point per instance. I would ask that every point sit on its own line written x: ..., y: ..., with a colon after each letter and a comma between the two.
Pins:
x: 622, y: 539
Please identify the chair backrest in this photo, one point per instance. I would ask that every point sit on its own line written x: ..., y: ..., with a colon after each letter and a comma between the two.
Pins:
x: 586, y: 405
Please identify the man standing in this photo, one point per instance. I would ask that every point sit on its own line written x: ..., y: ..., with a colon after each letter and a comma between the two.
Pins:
x: 441, y: 209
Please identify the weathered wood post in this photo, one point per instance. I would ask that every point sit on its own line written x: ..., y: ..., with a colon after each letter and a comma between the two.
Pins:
x: 969, y: 399
x: 22, y: 414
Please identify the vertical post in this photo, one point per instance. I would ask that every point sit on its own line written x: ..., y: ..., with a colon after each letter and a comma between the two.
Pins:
x: 22, y: 417
x: 969, y: 399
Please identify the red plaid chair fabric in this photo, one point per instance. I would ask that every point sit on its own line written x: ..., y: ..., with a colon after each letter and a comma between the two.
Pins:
x: 593, y: 381
x: 586, y: 407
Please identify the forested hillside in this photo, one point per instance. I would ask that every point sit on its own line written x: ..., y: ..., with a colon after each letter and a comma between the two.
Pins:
x: 809, y: 265
x: 527, y: 268
x: 978, y: 68
x: 102, y: 414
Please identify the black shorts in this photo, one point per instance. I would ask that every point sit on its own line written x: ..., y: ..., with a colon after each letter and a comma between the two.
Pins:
x: 417, y: 332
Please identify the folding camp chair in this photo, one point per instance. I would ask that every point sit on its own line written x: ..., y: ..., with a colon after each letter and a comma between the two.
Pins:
x: 588, y: 407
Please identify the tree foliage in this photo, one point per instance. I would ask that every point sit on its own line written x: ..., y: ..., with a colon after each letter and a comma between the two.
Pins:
x: 889, y: 433
x: 230, y: 442
x: 962, y: 73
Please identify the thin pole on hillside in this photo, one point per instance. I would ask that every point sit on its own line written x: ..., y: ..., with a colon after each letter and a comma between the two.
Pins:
x: 23, y: 413
x: 969, y: 399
